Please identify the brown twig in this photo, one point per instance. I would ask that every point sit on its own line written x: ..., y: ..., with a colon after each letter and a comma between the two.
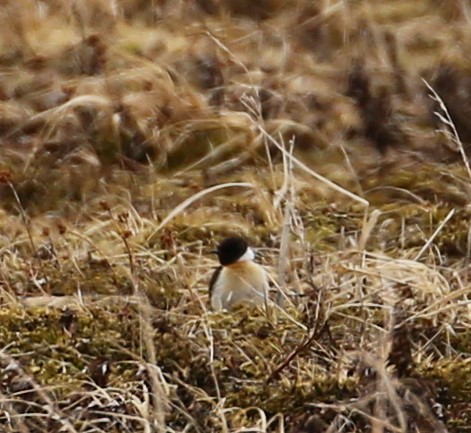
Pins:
x: 23, y: 215
x: 315, y: 333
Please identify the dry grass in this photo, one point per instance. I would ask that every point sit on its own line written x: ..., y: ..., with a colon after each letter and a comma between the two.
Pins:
x: 135, y: 135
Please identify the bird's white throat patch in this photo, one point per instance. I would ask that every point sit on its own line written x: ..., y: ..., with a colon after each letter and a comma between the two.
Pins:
x: 249, y: 255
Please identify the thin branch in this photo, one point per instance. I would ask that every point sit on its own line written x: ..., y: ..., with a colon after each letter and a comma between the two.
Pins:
x: 446, y: 119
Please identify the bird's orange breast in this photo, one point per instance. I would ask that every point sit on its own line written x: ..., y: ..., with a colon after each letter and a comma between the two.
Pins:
x: 241, y: 282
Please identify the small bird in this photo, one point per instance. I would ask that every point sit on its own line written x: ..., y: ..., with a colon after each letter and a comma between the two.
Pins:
x: 239, y: 280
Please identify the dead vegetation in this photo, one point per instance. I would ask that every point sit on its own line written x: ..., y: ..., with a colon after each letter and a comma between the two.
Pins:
x: 135, y: 135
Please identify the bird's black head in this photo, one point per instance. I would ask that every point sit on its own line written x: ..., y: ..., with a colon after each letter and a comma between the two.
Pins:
x: 231, y: 249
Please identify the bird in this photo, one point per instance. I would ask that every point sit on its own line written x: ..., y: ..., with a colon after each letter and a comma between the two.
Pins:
x: 238, y: 280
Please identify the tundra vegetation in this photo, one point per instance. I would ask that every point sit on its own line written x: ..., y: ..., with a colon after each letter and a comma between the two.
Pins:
x: 334, y: 135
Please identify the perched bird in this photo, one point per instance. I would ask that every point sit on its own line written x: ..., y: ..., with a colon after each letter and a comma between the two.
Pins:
x: 239, y: 280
